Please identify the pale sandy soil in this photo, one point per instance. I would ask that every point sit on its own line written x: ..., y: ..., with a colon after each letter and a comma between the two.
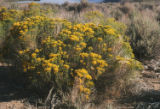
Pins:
x: 12, y: 105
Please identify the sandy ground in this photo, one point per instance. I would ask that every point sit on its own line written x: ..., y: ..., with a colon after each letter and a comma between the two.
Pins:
x: 12, y: 105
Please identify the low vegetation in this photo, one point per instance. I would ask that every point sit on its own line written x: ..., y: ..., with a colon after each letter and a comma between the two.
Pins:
x: 81, y: 57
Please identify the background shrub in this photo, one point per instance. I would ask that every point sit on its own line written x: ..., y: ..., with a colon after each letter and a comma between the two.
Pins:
x: 144, y: 35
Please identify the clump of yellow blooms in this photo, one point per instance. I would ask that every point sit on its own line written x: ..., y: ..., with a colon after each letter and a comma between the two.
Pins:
x: 33, y: 55
x: 69, y: 54
x: 7, y: 18
x: 110, y: 31
x: 9, y: 14
x: 74, y: 38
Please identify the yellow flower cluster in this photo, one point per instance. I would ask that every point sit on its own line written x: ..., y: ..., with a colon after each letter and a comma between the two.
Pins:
x: 98, y: 65
x: 21, y: 28
x: 33, y: 55
x: 9, y: 14
x: 129, y: 61
x: 74, y: 38
x: 83, y: 76
x: 110, y: 31
x: 83, y: 73
x: 84, y: 55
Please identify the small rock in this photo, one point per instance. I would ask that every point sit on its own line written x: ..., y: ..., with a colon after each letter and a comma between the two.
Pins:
x: 145, y: 67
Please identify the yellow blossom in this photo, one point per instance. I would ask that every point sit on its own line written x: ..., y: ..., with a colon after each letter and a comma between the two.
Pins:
x: 94, y: 62
x: 87, y: 91
x: 38, y: 59
x: 81, y: 71
x: 37, y: 50
x: 99, y: 39
x: 48, y: 69
x: 16, y: 24
x: 25, y: 70
x: 104, y: 44
x: 109, y: 49
x: 34, y: 55
x: 110, y: 31
x: 20, y: 52
x: 81, y: 88
x: 90, y: 84
x: 84, y: 55
x: 66, y: 66
x: 74, y: 38
x: 52, y: 55
x: 83, y: 44
x: 78, y: 49
x: 88, y: 77
x: 55, y: 68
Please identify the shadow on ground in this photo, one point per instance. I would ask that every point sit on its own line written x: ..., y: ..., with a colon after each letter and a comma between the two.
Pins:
x: 144, y: 96
x: 14, y: 93
x: 9, y: 90
x: 145, y: 100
